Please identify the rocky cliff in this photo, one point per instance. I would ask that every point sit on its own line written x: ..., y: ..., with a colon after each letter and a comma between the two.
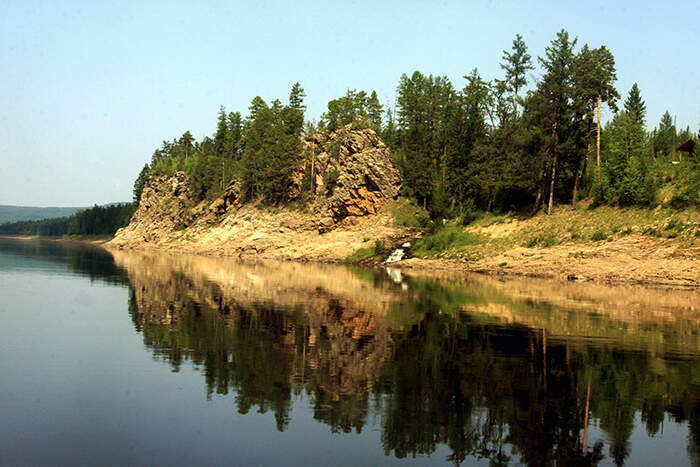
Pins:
x: 354, y: 174
x: 353, y: 177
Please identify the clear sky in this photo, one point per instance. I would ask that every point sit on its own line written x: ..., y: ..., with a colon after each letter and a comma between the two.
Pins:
x: 89, y: 89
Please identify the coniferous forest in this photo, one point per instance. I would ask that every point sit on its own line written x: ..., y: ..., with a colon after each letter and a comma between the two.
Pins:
x: 520, y: 141
x: 97, y: 220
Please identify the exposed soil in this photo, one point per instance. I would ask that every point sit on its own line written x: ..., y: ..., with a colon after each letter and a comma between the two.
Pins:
x: 634, y: 259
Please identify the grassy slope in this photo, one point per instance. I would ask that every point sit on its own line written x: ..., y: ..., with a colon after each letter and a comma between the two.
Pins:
x: 491, y: 235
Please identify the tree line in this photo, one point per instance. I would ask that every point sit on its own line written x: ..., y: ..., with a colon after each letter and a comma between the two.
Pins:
x: 516, y: 142
x: 97, y: 220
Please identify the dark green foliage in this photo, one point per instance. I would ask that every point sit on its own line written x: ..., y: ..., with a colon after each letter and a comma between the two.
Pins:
x: 273, y: 148
x: 663, y: 138
x: 468, y: 212
x: 354, y: 105
x: 516, y: 65
x: 140, y: 182
x: 424, y: 109
x: 627, y: 177
x: 688, y: 184
x: 46, y: 227
x: 98, y: 220
x: 635, y: 106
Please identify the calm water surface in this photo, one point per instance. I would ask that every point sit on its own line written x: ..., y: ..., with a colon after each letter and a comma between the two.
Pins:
x: 129, y: 358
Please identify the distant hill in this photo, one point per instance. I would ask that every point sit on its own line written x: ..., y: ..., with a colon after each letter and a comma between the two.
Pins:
x: 30, y: 213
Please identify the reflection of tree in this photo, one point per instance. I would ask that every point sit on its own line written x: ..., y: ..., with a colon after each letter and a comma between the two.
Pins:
x: 694, y: 436
x: 83, y: 259
x: 462, y: 384
x: 436, y: 375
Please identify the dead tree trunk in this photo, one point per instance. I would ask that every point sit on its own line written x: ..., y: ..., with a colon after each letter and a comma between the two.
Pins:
x: 554, y: 170
x: 551, y: 184
x: 597, y: 144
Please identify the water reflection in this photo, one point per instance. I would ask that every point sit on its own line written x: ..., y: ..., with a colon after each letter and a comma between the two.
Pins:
x: 79, y: 258
x: 505, y: 371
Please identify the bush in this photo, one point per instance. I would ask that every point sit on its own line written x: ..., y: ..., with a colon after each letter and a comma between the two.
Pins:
x: 599, y: 235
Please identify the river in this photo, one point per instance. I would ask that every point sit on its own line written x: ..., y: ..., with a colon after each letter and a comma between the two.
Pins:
x: 144, y: 358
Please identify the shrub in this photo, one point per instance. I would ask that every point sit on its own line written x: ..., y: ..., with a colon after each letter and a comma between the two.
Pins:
x: 599, y: 235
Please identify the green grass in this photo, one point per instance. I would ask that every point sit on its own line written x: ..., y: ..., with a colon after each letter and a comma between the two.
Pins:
x: 375, y: 252
x: 447, y: 238
x: 493, y: 234
x: 543, y: 239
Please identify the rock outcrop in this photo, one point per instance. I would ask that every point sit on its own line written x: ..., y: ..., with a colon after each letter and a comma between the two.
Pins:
x: 354, y: 176
x: 354, y: 173
x: 163, y: 208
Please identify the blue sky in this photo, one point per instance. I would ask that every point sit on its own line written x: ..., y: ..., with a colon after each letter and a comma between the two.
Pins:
x: 89, y: 89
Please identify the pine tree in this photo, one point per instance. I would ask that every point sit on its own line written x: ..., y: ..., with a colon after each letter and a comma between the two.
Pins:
x: 635, y: 106
x: 186, y: 141
x: 234, y: 135
x: 593, y: 82
x: 423, y: 116
x: 516, y: 65
x: 374, y: 111
x: 555, y: 95
x: 627, y: 167
x: 296, y: 97
x: 664, y: 137
x: 294, y: 113
x: 140, y: 183
x: 221, y: 129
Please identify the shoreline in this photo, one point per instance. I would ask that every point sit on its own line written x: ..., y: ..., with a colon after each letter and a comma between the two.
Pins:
x: 622, y: 269
x: 92, y: 240
x: 447, y: 267
x: 634, y: 260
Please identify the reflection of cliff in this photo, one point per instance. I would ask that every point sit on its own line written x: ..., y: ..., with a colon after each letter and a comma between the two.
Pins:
x: 490, y: 369
x: 317, y: 327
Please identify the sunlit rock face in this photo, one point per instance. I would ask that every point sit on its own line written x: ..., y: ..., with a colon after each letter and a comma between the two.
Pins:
x: 354, y: 177
x: 354, y: 173
x: 163, y: 204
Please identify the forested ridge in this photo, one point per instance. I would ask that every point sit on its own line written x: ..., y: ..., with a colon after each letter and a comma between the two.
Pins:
x: 97, y: 220
x: 526, y: 140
